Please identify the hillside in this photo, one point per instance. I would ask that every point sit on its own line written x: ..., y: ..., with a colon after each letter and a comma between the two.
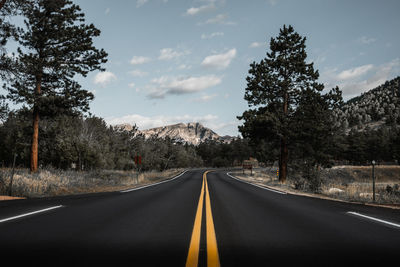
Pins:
x: 375, y: 108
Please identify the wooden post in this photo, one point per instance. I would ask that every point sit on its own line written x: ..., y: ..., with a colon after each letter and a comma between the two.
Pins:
x: 12, y: 176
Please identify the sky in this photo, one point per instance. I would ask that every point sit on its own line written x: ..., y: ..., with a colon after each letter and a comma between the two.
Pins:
x: 174, y: 61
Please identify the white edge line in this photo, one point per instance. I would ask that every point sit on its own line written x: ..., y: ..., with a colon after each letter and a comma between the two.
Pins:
x: 266, y: 188
x: 374, y: 219
x: 29, y: 213
x: 138, y: 188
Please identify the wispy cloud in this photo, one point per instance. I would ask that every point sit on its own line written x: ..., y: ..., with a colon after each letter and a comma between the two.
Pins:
x: 273, y: 2
x: 366, y: 40
x: 166, y: 85
x: 197, y: 10
x: 219, y: 61
x: 357, y: 80
x: 211, y: 35
x: 104, y: 78
x: 138, y: 73
x: 140, y: 3
x: 204, y: 98
x: 137, y: 60
x: 184, y: 67
x: 354, y: 73
x: 219, y: 19
x: 256, y: 44
x: 169, y: 53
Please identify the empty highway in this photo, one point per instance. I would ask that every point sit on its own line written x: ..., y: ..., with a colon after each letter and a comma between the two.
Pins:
x: 200, y: 218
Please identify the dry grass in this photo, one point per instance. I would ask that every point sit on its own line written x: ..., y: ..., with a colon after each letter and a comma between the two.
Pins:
x: 52, y: 182
x: 349, y: 183
x: 356, y: 183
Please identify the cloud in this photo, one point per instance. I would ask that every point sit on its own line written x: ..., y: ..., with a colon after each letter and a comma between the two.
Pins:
x: 219, y: 61
x: 358, y: 80
x: 138, y: 73
x: 107, y: 11
x: 184, y: 67
x: 366, y: 40
x: 140, y: 3
x: 219, y: 19
x: 256, y: 44
x: 166, y: 85
x: 131, y: 85
x: 136, y: 60
x: 273, y: 2
x: 211, y: 35
x: 104, y: 78
x: 354, y: 73
x: 169, y: 53
x: 196, y: 10
x: 204, y: 98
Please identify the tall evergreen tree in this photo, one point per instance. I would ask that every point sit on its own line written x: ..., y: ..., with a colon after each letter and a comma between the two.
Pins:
x: 55, y: 46
x: 275, y: 88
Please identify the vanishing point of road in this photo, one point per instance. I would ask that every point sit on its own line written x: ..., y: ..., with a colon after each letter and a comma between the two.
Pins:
x: 199, y: 218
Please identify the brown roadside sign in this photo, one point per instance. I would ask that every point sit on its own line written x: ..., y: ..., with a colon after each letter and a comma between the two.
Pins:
x: 247, y: 164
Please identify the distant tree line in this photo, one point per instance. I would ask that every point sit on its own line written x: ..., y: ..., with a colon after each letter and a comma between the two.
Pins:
x: 217, y: 154
x: 88, y: 143
x: 362, y: 147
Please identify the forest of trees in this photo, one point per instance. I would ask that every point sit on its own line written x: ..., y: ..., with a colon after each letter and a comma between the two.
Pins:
x: 377, y: 107
x: 369, y: 125
x: 88, y: 143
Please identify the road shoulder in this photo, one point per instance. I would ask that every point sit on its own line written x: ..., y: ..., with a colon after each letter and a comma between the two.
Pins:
x: 286, y: 189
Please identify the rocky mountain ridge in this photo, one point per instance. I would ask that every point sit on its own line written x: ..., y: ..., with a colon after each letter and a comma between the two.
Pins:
x: 191, y: 133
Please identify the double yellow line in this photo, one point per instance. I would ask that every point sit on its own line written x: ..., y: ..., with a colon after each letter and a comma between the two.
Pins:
x: 212, y: 248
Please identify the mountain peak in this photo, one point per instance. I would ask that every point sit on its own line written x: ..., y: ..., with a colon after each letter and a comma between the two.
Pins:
x: 191, y: 133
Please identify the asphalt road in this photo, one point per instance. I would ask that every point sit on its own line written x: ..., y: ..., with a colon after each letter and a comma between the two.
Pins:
x: 197, y: 220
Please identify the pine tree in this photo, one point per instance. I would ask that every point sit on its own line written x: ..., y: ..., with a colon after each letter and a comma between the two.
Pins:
x: 274, y: 87
x: 55, y: 46
x: 313, y: 140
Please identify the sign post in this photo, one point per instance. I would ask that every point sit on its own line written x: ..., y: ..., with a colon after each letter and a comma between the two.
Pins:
x: 373, y: 180
x: 247, y: 164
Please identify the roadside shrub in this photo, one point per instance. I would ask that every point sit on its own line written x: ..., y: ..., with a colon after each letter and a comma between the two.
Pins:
x: 393, y: 190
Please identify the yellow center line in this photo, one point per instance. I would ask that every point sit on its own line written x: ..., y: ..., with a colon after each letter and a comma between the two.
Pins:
x: 212, y: 248
x: 193, y: 255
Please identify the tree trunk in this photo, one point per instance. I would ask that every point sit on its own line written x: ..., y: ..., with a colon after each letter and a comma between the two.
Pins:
x: 35, y: 135
x: 283, y: 161
x: 284, y: 150
x: 35, y: 141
